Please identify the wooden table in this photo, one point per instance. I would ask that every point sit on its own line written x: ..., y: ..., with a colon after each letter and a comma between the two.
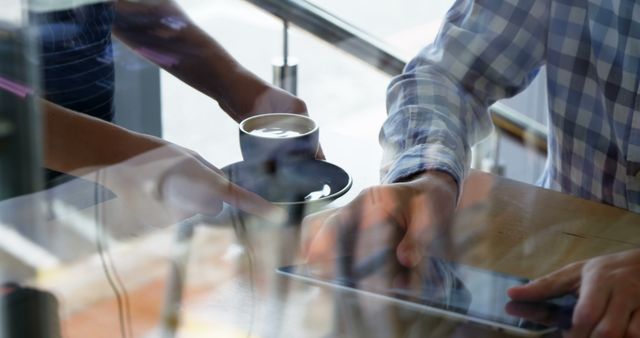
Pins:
x: 231, y: 288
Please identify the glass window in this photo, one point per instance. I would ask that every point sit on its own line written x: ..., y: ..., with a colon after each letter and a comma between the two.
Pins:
x: 316, y: 168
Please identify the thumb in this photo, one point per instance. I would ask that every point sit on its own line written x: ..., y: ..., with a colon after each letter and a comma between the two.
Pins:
x: 409, y: 252
x: 413, y: 246
x: 558, y: 283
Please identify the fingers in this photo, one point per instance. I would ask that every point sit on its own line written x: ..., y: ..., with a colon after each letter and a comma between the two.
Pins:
x: 276, y: 100
x: 320, y: 235
x: 591, y: 305
x: 609, y: 297
x: 616, y: 317
x: 189, y: 196
x: 417, y: 238
x: 359, y: 228
x: 335, y: 232
x: 613, y: 316
x: 531, y: 311
x: 633, y: 330
x: 320, y: 154
x: 249, y: 202
x: 425, y: 220
x: 607, y: 301
x: 425, y: 214
x: 560, y: 282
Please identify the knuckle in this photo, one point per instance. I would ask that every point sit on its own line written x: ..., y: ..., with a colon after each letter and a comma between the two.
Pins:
x: 635, y: 280
x: 368, y: 191
x: 344, y: 217
x: 633, y: 331
x: 606, y: 331
x: 585, y: 316
x: 627, y: 294
x: 593, y: 265
x: 545, y: 282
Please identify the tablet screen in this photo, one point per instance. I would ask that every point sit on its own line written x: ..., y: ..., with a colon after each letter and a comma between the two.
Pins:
x: 448, y: 288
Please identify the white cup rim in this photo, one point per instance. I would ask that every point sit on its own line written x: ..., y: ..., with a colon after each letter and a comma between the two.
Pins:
x: 297, y: 116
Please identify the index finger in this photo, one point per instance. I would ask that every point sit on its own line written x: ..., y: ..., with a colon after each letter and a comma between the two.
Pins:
x: 252, y: 203
x: 557, y: 283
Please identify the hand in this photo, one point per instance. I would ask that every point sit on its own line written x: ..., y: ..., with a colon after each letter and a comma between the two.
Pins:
x: 171, y: 183
x: 415, y: 210
x: 275, y: 100
x: 193, y: 185
x: 545, y: 313
x: 247, y: 95
x: 255, y: 97
x: 609, y: 294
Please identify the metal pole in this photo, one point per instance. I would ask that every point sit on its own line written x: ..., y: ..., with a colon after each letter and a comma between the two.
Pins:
x: 285, y: 69
x: 285, y: 42
x: 170, y: 320
x: 20, y: 131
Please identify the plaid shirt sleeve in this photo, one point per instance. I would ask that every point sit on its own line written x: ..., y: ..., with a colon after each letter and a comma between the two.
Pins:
x: 486, y: 50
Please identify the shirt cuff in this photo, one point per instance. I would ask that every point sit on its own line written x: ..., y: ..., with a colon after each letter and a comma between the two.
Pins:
x: 425, y: 157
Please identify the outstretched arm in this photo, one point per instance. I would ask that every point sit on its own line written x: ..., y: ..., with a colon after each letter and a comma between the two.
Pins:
x: 74, y: 141
x: 160, y: 31
x: 145, y: 166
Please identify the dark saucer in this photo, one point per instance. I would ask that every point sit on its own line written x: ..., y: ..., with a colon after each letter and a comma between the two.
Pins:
x: 308, y: 182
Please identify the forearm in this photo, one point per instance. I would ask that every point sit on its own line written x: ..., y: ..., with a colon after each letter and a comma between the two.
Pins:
x: 74, y: 142
x: 163, y: 33
x: 438, y: 106
x: 430, y: 135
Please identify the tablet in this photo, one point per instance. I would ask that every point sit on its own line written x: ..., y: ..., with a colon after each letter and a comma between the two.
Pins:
x: 445, y: 289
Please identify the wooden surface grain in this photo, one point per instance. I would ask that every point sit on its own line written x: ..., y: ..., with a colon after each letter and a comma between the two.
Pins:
x: 231, y: 288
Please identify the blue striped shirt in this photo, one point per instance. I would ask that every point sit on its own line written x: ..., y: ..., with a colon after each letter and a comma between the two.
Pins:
x: 77, y: 58
x: 488, y: 50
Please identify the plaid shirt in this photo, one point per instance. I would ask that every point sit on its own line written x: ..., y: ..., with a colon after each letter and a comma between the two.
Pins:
x: 488, y: 50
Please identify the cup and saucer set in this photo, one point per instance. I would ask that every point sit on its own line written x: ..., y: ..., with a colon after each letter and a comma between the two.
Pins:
x: 279, y: 164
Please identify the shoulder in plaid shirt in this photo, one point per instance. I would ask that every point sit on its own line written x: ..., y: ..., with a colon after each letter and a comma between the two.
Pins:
x: 488, y: 50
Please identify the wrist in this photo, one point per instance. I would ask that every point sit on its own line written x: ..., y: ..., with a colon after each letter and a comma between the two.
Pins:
x: 241, y: 92
x: 442, y: 180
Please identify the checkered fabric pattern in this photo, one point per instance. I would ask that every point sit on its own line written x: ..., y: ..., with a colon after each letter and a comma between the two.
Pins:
x: 488, y: 50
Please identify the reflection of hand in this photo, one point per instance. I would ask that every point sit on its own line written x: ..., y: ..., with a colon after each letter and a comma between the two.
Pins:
x: 193, y: 185
x: 534, y: 312
x: 414, y: 209
x: 170, y: 183
x: 609, y: 288
x: 544, y: 313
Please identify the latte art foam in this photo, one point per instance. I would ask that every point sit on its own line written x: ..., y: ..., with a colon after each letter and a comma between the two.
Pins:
x: 275, y: 132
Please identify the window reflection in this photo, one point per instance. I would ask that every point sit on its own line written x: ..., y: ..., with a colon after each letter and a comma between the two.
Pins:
x: 152, y: 222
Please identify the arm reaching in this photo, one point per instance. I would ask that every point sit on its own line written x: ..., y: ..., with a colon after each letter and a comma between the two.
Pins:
x: 81, y: 144
x: 437, y: 107
x: 162, y: 32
